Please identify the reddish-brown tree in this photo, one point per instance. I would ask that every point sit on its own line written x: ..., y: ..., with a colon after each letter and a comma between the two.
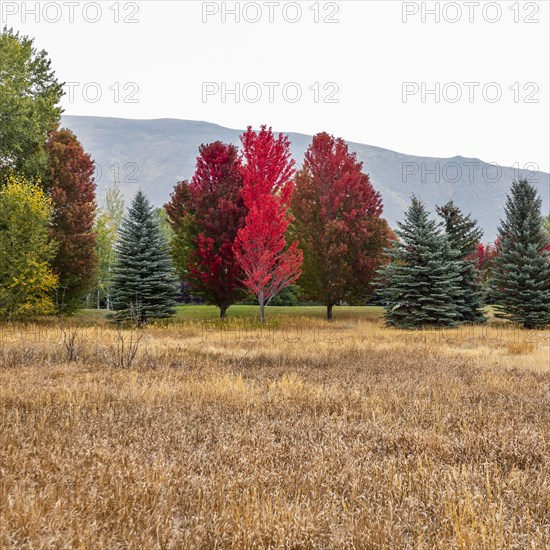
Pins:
x: 179, y: 205
x: 337, y: 216
x: 70, y: 183
x: 269, y: 265
x: 206, y: 215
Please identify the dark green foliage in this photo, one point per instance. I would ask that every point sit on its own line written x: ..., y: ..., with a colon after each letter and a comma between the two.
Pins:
x: 464, y: 236
x: 421, y: 285
x: 289, y: 296
x: 521, y: 276
x: 461, y: 230
x: 144, y: 285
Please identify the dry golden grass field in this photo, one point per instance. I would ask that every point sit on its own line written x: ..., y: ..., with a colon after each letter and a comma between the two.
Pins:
x: 298, y: 435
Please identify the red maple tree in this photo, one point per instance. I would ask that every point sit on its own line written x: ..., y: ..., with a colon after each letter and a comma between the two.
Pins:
x: 206, y: 215
x: 269, y: 265
x: 485, y: 257
x: 70, y: 183
x: 338, y: 219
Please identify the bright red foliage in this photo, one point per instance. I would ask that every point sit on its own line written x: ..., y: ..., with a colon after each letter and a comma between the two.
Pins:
x: 486, y: 254
x: 207, y: 213
x: 338, y: 220
x: 268, y: 264
x: 70, y: 183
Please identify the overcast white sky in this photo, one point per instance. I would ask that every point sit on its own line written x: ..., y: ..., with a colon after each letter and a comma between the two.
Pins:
x: 348, y: 59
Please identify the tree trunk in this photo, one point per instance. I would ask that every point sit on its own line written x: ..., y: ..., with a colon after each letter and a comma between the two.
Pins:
x: 262, y: 313
x: 223, y: 311
x: 329, y: 312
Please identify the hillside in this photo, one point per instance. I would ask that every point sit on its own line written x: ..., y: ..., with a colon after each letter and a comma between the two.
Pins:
x: 155, y: 154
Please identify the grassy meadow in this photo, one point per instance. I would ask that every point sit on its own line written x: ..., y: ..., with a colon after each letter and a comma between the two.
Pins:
x: 301, y: 434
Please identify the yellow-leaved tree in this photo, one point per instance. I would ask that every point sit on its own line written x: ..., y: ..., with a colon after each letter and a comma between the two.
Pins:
x: 27, y: 281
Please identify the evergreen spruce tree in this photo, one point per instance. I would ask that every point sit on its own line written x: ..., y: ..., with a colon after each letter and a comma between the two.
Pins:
x: 144, y: 285
x: 521, y: 276
x: 421, y: 283
x: 464, y: 236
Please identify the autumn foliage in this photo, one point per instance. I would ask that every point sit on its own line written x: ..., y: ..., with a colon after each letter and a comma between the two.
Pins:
x: 485, y: 256
x: 71, y: 186
x: 206, y: 215
x: 269, y: 265
x: 178, y: 206
x: 26, y: 278
x: 338, y: 222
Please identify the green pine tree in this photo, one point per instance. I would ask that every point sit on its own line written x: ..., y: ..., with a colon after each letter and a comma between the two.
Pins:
x: 144, y: 286
x: 421, y: 283
x: 464, y: 236
x: 521, y: 277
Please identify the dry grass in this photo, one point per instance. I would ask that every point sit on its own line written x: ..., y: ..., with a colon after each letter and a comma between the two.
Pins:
x: 297, y: 436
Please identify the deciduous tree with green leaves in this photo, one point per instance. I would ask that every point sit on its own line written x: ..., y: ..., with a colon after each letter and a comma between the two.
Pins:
x: 27, y: 281
x: 107, y: 224
x: 29, y: 105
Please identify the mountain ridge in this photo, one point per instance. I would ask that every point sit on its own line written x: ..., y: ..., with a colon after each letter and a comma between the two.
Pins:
x: 154, y: 154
